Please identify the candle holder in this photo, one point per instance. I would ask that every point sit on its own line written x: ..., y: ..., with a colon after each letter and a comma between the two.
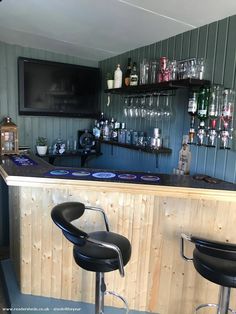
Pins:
x: 9, y: 137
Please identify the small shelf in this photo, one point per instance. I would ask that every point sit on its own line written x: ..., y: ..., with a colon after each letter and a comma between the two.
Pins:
x: 160, y: 150
x: 82, y: 154
x: 163, y: 86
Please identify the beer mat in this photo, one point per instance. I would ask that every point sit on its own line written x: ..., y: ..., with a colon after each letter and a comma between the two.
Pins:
x: 150, y: 178
x: 127, y: 176
x: 81, y: 173
x: 102, y: 175
x: 59, y: 172
x: 22, y: 160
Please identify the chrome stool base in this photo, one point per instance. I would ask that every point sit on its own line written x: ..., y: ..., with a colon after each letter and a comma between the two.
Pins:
x: 201, y: 306
x: 223, y: 305
x: 101, y: 292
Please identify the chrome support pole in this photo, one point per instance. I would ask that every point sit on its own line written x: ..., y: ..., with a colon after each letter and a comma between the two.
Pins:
x: 99, y: 293
x: 224, y: 296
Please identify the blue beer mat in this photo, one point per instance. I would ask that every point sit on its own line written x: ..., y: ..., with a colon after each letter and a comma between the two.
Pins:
x: 22, y: 160
x: 103, y: 175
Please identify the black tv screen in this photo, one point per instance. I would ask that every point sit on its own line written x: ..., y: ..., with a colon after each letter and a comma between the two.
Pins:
x: 57, y: 89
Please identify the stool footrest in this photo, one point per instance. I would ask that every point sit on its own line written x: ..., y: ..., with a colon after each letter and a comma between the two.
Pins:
x: 201, y: 306
x: 119, y: 297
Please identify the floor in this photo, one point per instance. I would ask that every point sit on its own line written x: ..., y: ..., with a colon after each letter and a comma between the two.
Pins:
x: 37, y: 305
x: 4, y: 254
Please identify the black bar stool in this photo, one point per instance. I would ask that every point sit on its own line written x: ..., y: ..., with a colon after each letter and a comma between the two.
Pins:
x: 99, y: 251
x: 215, y: 261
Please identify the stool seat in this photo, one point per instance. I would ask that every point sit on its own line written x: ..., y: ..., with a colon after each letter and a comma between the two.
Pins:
x: 99, y: 251
x: 101, y: 259
x: 216, y: 262
x: 218, y: 270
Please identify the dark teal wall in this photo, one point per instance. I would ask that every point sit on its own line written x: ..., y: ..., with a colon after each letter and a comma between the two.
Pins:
x: 214, y: 42
x: 31, y: 127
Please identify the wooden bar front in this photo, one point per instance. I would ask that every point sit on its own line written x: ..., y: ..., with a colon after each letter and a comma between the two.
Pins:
x: 156, y: 279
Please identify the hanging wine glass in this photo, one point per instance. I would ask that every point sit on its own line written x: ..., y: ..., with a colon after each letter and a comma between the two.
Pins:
x: 143, y: 111
x: 125, y: 110
x: 130, y: 107
x: 157, y: 109
x: 136, y: 107
x: 166, y: 109
x: 150, y: 107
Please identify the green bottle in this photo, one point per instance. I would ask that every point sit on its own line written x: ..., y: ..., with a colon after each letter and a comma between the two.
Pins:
x: 203, y: 104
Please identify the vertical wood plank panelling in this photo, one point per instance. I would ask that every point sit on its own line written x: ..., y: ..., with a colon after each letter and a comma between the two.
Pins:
x: 230, y: 59
x: 221, y: 51
x: 202, y: 41
x: 214, y: 42
x: 201, y: 53
x: 194, y: 37
x: 186, y: 45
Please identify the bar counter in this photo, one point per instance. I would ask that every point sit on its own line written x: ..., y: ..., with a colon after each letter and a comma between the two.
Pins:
x: 150, y: 214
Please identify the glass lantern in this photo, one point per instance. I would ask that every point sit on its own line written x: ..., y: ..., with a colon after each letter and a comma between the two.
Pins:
x: 9, y: 137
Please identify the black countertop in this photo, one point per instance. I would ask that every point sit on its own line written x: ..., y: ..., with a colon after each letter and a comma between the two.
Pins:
x: 42, y: 169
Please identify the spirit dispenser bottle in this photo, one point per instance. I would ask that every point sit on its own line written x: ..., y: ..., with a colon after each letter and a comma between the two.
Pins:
x: 192, y: 111
x: 226, y: 116
x: 213, y: 113
x: 202, y: 113
x: 127, y: 73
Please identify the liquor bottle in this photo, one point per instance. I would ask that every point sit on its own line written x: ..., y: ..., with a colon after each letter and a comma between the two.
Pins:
x: 114, y: 134
x: 111, y: 127
x: 192, y: 111
x: 122, y: 133
x: 227, y: 107
x: 106, y: 131
x: 134, y: 75
x: 226, y: 113
x: 202, y: 113
x: 202, y: 105
x: 213, y: 113
x: 127, y: 73
x: 101, y: 119
x: 118, y: 77
x: 184, y: 159
x: 96, y: 130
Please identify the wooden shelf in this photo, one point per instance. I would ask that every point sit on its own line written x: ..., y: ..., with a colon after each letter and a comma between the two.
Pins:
x: 158, y: 87
x: 160, y: 150
x: 82, y: 154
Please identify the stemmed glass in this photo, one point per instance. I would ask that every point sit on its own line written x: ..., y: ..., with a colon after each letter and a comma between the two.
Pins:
x: 126, y: 106
x: 149, y: 107
x: 166, y: 109
x: 143, y: 111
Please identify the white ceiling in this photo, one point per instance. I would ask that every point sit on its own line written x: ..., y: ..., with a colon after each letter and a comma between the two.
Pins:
x: 99, y: 29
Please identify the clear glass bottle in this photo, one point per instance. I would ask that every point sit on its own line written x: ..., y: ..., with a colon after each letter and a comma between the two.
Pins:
x: 134, y: 75
x: 114, y: 134
x: 118, y: 77
x: 127, y: 73
x: 106, y: 131
x: 122, y: 133
x: 96, y: 130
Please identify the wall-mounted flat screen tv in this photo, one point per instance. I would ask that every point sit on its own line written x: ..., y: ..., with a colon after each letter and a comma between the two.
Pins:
x: 57, y: 89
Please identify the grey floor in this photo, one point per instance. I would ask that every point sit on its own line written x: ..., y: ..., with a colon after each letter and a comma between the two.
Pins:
x: 36, y: 304
x: 4, y: 254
